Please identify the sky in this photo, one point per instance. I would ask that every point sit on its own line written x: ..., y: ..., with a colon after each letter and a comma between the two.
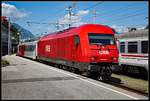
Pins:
x: 116, y: 14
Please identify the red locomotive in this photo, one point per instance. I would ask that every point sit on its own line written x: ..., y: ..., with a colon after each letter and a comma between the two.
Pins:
x: 90, y: 48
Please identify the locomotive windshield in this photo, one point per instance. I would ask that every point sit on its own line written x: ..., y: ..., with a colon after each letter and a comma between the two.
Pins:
x: 101, y: 39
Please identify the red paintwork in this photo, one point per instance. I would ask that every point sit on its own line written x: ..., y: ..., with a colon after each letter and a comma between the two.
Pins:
x: 62, y: 45
x: 21, y: 50
x: 129, y: 55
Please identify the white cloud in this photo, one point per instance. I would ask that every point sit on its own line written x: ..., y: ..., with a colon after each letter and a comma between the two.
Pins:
x: 75, y: 19
x: 122, y: 29
x: 139, y: 28
x: 119, y: 29
x: 12, y: 12
x: 81, y: 13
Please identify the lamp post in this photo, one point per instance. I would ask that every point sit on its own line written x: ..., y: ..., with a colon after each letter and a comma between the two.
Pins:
x: 18, y: 33
x: 9, y: 38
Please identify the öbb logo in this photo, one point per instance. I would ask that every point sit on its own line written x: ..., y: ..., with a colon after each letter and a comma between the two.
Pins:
x: 47, y: 48
x: 103, y: 52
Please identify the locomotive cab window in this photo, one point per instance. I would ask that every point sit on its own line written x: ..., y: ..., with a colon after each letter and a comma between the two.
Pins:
x: 101, y: 39
x: 77, y: 40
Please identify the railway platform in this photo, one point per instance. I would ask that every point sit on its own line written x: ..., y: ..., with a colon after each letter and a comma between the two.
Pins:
x: 27, y: 79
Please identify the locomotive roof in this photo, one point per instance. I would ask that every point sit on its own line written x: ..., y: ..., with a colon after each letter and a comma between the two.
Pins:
x: 78, y: 29
x: 58, y: 32
x: 137, y: 33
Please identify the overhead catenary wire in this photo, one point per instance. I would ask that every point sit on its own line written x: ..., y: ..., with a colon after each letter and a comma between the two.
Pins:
x: 61, y: 11
x: 93, y: 6
x: 124, y: 14
x: 121, y: 15
x: 127, y: 22
x: 58, y: 13
x: 137, y: 25
x: 52, y: 23
x: 118, y: 9
x: 129, y: 16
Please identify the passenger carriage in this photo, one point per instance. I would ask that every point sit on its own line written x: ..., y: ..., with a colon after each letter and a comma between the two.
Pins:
x: 133, y: 50
x: 28, y: 49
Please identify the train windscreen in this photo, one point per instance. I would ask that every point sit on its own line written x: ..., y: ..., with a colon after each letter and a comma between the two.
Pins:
x: 101, y: 39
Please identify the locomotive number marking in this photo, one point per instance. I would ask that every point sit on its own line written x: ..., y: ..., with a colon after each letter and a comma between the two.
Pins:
x: 103, y: 52
x: 47, y: 48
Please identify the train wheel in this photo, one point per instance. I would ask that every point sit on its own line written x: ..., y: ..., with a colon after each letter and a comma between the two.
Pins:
x: 73, y: 70
x: 60, y: 66
x: 56, y: 65
x: 105, y: 74
x: 69, y: 69
x: 94, y: 75
x: 86, y: 73
x: 77, y: 71
x: 64, y: 67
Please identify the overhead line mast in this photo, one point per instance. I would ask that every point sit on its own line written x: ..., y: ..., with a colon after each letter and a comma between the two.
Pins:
x: 94, y: 16
x: 70, y: 12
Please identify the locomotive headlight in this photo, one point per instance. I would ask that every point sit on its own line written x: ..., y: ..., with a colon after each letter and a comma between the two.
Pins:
x: 114, y: 58
x: 92, y: 58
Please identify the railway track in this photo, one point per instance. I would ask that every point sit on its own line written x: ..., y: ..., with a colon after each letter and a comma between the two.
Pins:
x: 113, y: 81
x: 117, y: 82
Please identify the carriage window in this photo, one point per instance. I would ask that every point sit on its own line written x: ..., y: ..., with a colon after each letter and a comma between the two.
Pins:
x: 26, y: 48
x: 122, y: 47
x: 144, y: 46
x: 30, y: 48
x: 132, y: 47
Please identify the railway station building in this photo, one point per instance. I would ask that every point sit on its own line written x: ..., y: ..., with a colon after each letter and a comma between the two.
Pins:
x: 4, y: 37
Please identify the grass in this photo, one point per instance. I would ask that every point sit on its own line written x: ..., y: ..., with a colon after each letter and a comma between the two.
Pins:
x: 133, y: 83
x: 4, y: 62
